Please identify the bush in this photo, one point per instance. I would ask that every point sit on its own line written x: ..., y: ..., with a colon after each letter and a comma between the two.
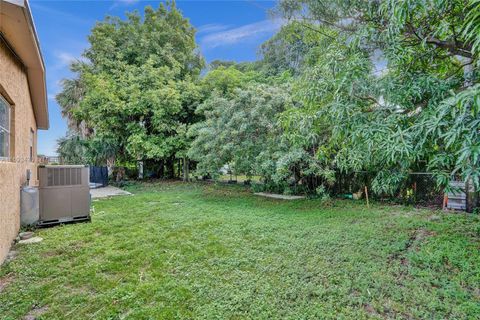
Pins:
x: 322, y: 194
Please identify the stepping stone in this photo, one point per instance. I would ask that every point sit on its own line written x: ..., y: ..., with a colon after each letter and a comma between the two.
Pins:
x: 31, y: 240
x: 25, y: 235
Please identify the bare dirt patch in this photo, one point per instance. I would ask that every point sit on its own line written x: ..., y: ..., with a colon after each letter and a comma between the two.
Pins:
x: 11, y: 256
x: 5, y: 281
x: 420, y: 235
x: 371, y: 311
x: 416, y: 238
x: 35, y: 313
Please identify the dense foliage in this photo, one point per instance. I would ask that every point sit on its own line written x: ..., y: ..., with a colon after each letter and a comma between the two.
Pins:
x: 391, y: 87
x: 138, y: 90
x: 383, y: 87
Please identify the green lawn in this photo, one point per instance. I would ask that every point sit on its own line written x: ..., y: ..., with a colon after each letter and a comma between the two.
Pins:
x: 192, y: 251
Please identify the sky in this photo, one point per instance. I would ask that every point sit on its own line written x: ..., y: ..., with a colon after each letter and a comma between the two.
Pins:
x: 226, y: 30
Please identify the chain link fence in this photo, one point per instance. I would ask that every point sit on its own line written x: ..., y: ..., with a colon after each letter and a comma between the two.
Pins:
x: 418, y: 189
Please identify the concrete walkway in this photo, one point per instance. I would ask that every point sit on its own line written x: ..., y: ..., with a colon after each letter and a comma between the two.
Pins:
x: 278, y: 196
x: 108, y: 191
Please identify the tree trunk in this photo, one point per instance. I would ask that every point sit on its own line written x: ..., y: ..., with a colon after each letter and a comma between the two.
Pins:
x: 140, y: 170
x: 110, y: 165
x: 468, y: 68
x: 161, y: 169
x: 170, y: 168
x: 179, y: 168
x: 186, y: 168
x: 120, y: 174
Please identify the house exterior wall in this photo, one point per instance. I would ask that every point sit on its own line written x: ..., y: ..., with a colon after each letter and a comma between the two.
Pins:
x: 13, y: 82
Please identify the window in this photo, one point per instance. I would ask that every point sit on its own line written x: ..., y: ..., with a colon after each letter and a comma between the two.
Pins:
x: 5, y: 114
x: 32, y: 141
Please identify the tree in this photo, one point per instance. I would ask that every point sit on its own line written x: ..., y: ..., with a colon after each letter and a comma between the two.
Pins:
x: 75, y: 149
x: 287, y: 50
x: 237, y: 130
x: 418, y: 112
x: 73, y: 91
x: 137, y: 86
x: 72, y: 149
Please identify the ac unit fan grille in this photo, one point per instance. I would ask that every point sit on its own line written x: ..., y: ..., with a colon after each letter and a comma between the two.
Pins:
x: 64, y: 177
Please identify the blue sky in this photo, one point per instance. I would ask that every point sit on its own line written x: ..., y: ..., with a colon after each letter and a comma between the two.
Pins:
x: 227, y: 30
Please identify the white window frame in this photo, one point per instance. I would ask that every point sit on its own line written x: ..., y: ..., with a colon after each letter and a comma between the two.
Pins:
x: 8, y: 129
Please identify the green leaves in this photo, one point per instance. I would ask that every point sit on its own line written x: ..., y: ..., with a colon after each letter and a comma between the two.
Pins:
x: 138, y: 84
x: 377, y: 86
x: 239, y: 130
x: 415, y: 113
x: 471, y: 27
x: 456, y: 129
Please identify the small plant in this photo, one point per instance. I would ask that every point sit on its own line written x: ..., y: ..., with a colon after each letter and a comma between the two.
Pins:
x: 258, y: 187
x: 410, y: 196
x: 322, y: 193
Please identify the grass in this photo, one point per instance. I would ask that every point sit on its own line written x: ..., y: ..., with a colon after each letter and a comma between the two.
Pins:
x: 193, y: 251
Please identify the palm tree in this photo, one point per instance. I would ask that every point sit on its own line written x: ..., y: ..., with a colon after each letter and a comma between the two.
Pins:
x: 72, y: 149
x: 73, y: 91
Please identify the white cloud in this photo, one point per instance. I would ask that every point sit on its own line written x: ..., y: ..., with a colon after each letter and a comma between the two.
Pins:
x: 58, y: 13
x: 117, y: 3
x: 128, y: 2
x: 239, y: 34
x: 211, y: 27
x: 65, y: 58
x: 58, y: 68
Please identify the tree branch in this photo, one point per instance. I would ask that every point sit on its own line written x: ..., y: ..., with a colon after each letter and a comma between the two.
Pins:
x: 452, y: 47
x: 308, y: 26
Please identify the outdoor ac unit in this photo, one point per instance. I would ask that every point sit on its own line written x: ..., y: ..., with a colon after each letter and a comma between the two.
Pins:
x: 64, y: 194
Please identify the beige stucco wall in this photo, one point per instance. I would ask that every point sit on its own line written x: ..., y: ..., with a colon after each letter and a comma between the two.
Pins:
x: 13, y: 81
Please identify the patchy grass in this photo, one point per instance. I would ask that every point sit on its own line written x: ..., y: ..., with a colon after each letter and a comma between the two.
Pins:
x: 197, y: 251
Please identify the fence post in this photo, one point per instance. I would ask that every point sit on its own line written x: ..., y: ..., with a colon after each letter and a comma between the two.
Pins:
x: 366, y: 197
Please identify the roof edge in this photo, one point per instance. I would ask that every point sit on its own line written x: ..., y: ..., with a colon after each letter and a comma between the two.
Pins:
x: 44, y: 125
x: 20, y: 33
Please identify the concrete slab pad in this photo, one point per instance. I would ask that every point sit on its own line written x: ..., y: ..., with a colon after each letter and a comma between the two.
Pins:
x: 31, y: 240
x: 108, y: 191
x: 278, y: 196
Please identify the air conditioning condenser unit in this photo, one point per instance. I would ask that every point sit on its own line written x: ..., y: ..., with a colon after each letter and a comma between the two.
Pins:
x: 64, y: 194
